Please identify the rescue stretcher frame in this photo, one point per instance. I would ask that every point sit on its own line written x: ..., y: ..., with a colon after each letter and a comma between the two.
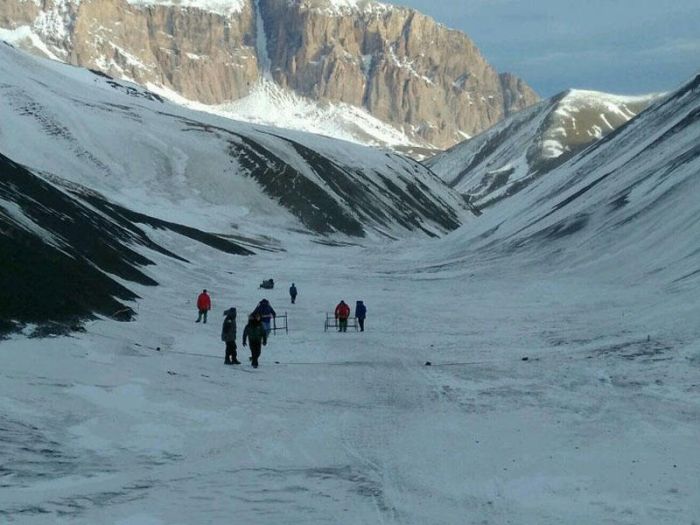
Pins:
x: 332, y: 322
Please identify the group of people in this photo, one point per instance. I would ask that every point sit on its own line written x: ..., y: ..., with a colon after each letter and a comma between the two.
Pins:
x: 255, y: 332
x: 342, y: 314
x: 260, y: 322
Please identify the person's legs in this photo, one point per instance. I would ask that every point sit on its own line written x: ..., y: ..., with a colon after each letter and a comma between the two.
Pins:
x: 205, y: 316
x: 199, y: 317
x: 361, y: 323
x: 231, y: 355
x: 255, y: 347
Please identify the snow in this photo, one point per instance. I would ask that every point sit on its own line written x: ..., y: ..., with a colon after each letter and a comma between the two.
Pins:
x: 552, y: 149
x: 550, y: 130
x: 22, y: 33
x: 14, y: 212
x: 408, y: 65
x: 221, y: 7
x: 353, y: 427
x: 269, y: 104
x: 53, y: 24
x: 147, y: 154
x: 343, y: 7
x: 141, y: 423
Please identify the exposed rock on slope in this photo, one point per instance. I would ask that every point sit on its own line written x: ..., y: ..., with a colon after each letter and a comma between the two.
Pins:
x: 58, y: 250
x: 404, y: 68
x: 508, y: 157
x: 625, y: 208
x: 121, y: 140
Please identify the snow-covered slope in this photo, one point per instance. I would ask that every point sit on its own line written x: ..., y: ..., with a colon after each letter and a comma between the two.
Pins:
x: 71, y: 250
x: 508, y: 157
x: 270, y: 105
x: 94, y: 168
x: 143, y: 152
x: 560, y: 328
x: 627, y: 206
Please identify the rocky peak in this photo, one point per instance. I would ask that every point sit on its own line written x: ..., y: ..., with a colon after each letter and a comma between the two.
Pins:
x: 399, y: 65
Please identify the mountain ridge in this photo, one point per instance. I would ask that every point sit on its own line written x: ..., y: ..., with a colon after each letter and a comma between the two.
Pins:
x: 511, y: 155
x: 428, y: 82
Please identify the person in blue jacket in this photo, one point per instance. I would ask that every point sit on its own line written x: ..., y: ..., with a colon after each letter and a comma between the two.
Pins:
x: 360, y: 314
x: 267, y: 314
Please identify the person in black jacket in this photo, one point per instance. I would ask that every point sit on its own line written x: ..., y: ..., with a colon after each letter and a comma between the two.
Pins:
x: 293, y: 292
x: 228, y: 335
x: 255, y: 334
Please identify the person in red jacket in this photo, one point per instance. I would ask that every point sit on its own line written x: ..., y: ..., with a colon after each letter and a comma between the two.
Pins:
x: 342, y: 312
x: 203, y: 305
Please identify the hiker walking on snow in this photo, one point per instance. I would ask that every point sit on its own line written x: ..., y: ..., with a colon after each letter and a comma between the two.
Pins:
x: 267, y: 314
x: 228, y: 336
x: 255, y: 334
x: 203, y: 305
x: 360, y: 314
x: 342, y: 312
x: 293, y: 292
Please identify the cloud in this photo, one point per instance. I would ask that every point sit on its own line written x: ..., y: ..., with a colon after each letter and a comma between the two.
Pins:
x: 675, y: 47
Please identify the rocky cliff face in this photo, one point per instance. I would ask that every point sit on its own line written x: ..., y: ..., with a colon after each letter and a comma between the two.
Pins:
x: 401, y: 66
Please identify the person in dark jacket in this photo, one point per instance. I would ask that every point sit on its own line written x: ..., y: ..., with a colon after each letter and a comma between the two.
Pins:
x: 203, y: 305
x: 228, y: 336
x: 267, y: 314
x: 360, y: 314
x: 255, y: 334
x: 342, y: 312
x: 293, y: 292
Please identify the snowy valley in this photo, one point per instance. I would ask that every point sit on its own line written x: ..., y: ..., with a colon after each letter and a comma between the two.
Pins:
x: 538, y: 364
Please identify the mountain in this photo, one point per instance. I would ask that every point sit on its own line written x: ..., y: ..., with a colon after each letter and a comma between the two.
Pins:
x: 511, y: 155
x: 537, y: 365
x: 560, y: 329
x: 428, y: 82
x: 71, y: 250
x: 625, y: 207
x: 92, y: 167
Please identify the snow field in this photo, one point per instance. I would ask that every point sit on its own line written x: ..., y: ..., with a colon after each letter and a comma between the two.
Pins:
x: 598, y: 425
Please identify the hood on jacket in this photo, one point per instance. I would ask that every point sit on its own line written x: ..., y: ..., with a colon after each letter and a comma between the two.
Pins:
x: 230, y: 312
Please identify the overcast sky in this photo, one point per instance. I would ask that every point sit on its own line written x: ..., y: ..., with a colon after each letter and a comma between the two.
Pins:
x: 619, y: 46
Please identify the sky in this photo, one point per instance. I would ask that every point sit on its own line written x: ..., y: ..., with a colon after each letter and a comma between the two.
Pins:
x: 617, y: 46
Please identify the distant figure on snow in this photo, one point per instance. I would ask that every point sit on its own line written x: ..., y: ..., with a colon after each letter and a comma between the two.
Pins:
x: 293, y: 292
x: 228, y: 336
x: 360, y: 314
x: 267, y: 314
x: 203, y: 305
x: 342, y: 312
x: 255, y: 334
